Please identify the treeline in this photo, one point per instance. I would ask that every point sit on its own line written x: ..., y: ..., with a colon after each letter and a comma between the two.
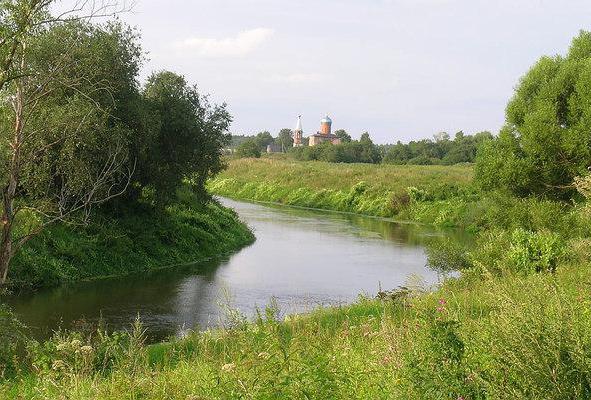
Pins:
x: 78, y: 131
x: 349, y: 151
x: 441, y: 150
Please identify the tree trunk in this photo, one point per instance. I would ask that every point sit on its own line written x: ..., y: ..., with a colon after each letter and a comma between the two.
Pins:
x: 5, y: 251
x: 9, y: 192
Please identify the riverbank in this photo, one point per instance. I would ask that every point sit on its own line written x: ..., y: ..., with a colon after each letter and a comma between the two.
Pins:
x: 443, y: 196
x: 376, y: 190
x: 128, y: 242
x: 499, y: 338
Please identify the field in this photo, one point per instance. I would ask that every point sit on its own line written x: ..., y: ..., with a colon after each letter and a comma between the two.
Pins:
x: 359, y: 188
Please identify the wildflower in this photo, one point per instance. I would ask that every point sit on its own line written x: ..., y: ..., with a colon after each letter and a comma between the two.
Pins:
x: 228, y: 367
x: 86, y: 349
x: 443, y: 302
x: 76, y: 343
x: 440, y: 309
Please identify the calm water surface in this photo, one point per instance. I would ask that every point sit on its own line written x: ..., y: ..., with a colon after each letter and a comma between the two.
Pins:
x: 302, y: 258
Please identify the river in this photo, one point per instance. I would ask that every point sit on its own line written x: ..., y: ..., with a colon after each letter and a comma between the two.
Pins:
x: 301, y: 258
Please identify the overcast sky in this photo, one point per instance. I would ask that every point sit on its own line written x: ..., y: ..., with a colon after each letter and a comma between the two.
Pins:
x: 400, y: 69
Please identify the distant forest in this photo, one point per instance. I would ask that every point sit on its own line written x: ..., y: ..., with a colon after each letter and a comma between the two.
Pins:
x: 440, y: 150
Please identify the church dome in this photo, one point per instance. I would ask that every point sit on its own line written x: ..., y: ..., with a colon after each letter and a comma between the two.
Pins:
x: 326, y: 120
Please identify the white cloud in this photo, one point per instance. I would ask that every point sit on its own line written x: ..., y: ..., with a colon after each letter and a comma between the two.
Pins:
x: 297, y: 78
x: 241, y: 44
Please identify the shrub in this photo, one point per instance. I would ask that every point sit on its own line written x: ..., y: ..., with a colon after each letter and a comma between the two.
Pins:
x: 437, y: 368
x: 248, y: 149
x: 535, y: 251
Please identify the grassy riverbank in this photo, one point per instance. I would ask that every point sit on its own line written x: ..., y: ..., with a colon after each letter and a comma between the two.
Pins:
x: 378, y: 190
x: 133, y: 240
x: 435, y: 195
x: 511, y: 337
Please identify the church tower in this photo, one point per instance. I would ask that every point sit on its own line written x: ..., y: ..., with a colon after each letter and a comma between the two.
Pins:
x: 298, y: 133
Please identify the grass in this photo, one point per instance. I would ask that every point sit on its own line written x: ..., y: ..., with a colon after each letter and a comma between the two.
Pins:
x: 359, y: 188
x: 508, y: 337
x: 134, y: 241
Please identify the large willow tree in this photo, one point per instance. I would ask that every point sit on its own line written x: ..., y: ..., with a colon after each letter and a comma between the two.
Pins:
x: 546, y: 141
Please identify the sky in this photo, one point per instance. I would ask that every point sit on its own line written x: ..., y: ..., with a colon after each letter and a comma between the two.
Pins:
x: 399, y: 69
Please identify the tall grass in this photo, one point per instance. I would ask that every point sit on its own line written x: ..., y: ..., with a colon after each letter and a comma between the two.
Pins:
x: 360, y: 188
x: 517, y: 337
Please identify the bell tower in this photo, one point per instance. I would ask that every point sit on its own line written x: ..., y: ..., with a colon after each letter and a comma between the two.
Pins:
x: 298, y: 133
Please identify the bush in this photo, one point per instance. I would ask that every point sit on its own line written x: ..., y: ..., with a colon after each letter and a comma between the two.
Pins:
x: 535, y: 251
x: 248, y: 149
x: 436, y: 368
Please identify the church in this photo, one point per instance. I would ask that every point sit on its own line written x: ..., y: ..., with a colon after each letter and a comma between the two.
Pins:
x: 323, y: 135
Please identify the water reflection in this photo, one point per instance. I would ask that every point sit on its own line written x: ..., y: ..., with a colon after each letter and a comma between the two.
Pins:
x: 302, y: 258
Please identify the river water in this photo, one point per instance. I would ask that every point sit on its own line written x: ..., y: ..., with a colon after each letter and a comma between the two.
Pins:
x: 301, y: 258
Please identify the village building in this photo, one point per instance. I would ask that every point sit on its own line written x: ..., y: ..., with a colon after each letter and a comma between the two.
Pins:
x: 323, y: 135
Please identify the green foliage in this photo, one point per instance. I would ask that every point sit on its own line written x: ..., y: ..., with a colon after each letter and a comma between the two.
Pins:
x: 442, y: 150
x: 12, y: 343
x: 263, y: 139
x: 535, y: 251
x: 128, y: 241
x: 284, y: 139
x: 448, y: 256
x: 356, y: 151
x: 186, y: 138
x: 81, y: 129
x: 545, y: 143
x: 437, y: 366
x: 248, y: 149
x: 343, y: 135
x: 336, y: 187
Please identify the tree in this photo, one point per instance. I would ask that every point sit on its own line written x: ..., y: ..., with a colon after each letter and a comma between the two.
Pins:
x: 545, y: 143
x: 248, y: 148
x: 52, y: 124
x: 187, y: 136
x: 285, y: 139
x: 370, y: 152
x: 263, y: 139
x: 343, y: 135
